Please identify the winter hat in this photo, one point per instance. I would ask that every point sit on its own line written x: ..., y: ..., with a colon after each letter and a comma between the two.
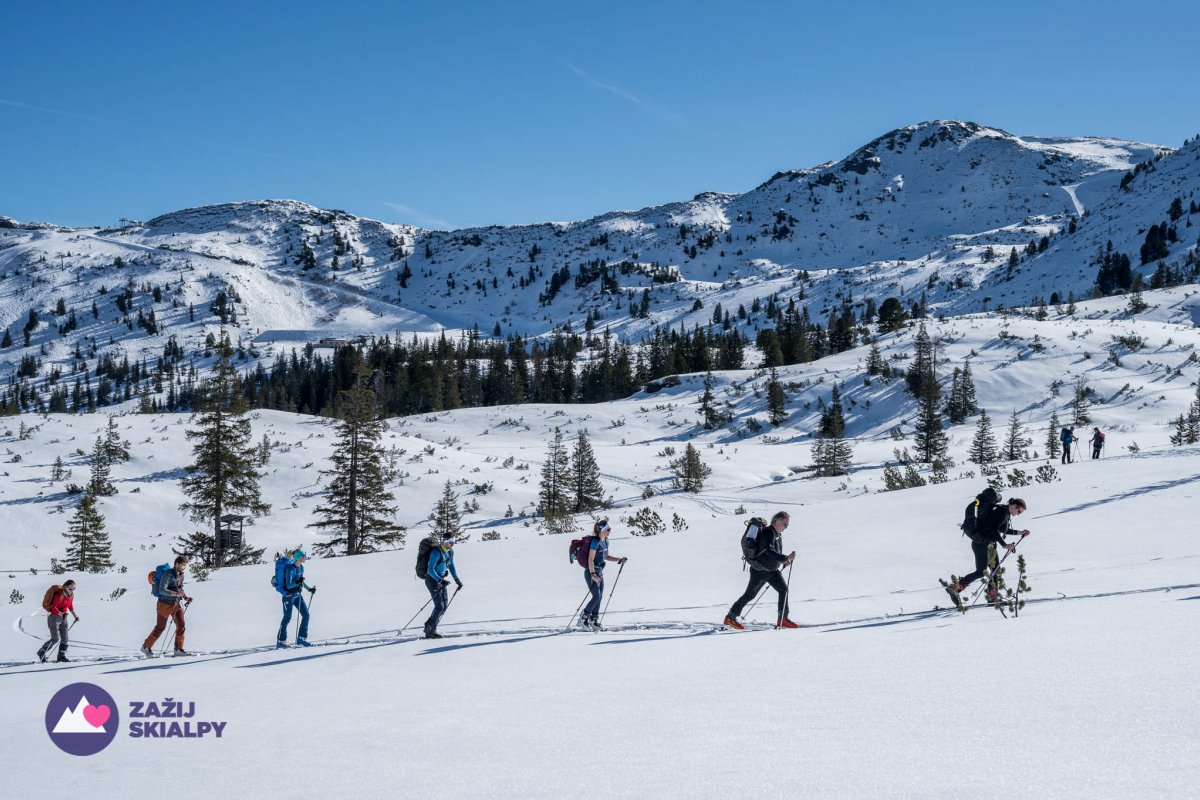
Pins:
x: 297, y: 555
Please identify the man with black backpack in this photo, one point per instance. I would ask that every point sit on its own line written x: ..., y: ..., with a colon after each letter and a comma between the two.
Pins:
x: 1067, y: 437
x: 166, y: 583
x: 762, y: 548
x: 993, y: 521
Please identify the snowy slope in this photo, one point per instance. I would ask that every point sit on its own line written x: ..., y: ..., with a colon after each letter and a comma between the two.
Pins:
x: 1087, y: 694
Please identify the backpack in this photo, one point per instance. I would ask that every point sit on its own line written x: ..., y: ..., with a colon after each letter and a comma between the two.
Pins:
x: 49, y: 598
x: 155, y: 577
x: 424, y: 551
x: 977, y: 509
x: 579, y: 550
x: 1100, y: 437
x: 278, y: 580
x: 750, y: 550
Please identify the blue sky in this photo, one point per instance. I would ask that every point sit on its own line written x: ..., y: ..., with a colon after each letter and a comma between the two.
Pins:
x: 499, y: 113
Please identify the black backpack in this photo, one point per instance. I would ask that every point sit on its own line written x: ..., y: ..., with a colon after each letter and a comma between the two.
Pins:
x: 750, y: 549
x: 424, y: 550
x: 977, y: 509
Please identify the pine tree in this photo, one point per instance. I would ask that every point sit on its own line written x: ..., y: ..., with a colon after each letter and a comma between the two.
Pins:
x: 100, y: 483
x: 1081, y: 404
x: 776, y: 400
x: 983, y: 446
x: 554, y: 494
x: 1015, y: 441
x: 1053, y: 443
x: 713, y: 418
x: 88, y: 548
x: 931, y: 441
x: 833, y: 422
x: 875, y: 363
x: 58, y: 472
x: 1192, y: 429
x: 446, y: 519
x: 922, y: 370
x: 969, y: 404
x: 832, y: 455
x: 689, y: 471
x: 115, y: 449
x: 586, y: 489
x: 954, y: 403
x: 222, y: 479
x: 1180, y: 436
x: 358, y: 506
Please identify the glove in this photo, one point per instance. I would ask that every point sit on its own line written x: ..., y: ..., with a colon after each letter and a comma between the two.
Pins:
x: 312, y: 589
x: 622, y: 560
x: 456, y: 580
x: 443, y: 583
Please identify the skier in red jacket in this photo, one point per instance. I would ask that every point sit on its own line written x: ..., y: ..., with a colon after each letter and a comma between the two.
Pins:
x: 63, y: 602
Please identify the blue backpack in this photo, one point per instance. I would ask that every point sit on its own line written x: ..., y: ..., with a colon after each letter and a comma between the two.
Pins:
x: 279, y: 579
x: 157, y: 576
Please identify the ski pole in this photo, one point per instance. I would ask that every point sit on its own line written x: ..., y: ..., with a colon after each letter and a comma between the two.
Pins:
x: 58, y: 644
x: 990, y: 578
x: 414, y: 616
x: 167, y: 635
x: 578, y: 609
x: 761, y: 592
x: 611, y: 591
x: 787, y: 591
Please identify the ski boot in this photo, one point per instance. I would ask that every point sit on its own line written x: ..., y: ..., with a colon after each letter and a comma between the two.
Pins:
x: 732, y: 622
x: 147, y: 652
x: 302, y: 642
x: 280, y: 644
x: 42, y: 652
x: 180, y: 652
x: 784, y: 622
x: 62, y: 656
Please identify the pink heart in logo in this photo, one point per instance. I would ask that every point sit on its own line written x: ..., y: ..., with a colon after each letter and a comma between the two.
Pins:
x: 96, y: 715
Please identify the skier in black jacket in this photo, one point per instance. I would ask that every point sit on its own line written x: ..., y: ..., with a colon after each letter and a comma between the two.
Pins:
x: 989, y: 533
x: 766, y: 568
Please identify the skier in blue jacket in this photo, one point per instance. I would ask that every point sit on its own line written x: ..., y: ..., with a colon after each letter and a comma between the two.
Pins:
x: 441, y: 561
x: 292, y: 590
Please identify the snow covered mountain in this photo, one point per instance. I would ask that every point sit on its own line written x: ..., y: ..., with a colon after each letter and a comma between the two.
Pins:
x: 929, y: 210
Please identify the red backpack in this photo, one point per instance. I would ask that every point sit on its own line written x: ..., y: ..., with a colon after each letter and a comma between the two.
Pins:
x: 579, y: 550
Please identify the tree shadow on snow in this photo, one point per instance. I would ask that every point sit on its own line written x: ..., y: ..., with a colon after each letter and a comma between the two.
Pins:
x: 1153, y: 487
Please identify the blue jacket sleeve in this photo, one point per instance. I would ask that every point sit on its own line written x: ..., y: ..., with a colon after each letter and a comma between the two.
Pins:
x: 434, y: 560
x: 450, y: 564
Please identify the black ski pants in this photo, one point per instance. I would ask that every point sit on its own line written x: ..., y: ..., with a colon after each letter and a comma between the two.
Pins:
x: 438, y: 592
x: 759, y: 577
x: 982, y: 561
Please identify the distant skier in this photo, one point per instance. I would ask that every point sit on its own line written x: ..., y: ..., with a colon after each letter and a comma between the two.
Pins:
x: 989, y: 533
x: 61, y: 600
x: 1067, y: 437
x: 290, y: 583
x: 441, y: 561
x: 168, y: 588
x: 766, y: 567
x: 1097, y: 441
x: 594, y: 577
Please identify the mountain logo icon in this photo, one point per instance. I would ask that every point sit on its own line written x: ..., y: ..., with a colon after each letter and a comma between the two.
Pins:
x: 82, y: 719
